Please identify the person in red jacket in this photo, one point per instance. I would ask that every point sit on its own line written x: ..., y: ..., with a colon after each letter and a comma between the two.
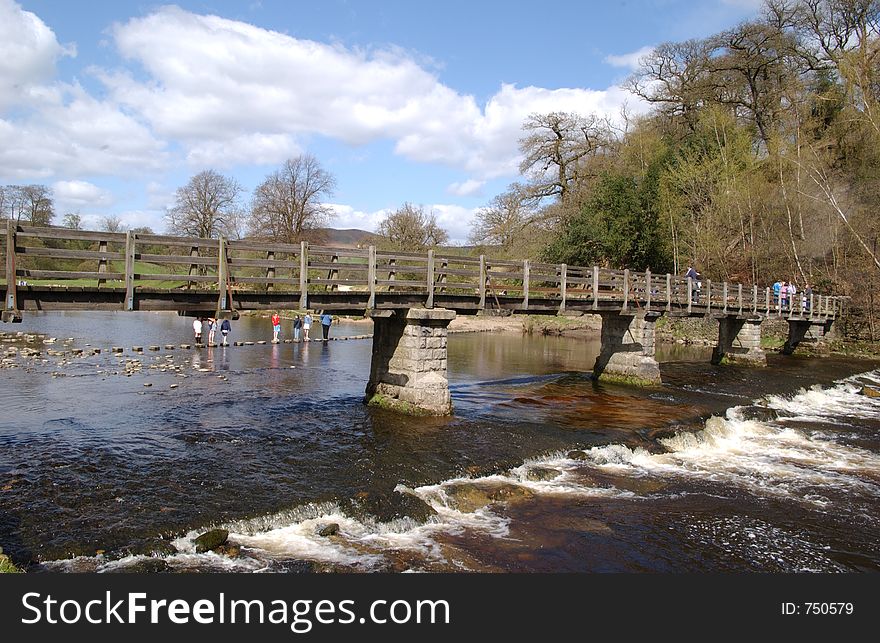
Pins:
x: 276, y: 327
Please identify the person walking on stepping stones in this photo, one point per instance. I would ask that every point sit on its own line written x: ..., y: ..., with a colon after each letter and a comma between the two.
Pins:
x: 276, y: 327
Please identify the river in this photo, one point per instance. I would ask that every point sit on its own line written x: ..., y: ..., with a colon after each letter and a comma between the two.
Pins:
x: 109, y: 464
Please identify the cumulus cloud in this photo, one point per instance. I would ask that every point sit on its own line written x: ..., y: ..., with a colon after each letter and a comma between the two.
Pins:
x: 346, y: 217
x: 73, y: 195
x: 471, y: 187
x: 629, y: 61
x: 228, y: 89
x: 28, y: 52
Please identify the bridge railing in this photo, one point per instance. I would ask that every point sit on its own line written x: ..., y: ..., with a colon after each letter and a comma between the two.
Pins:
x: 149, y: 262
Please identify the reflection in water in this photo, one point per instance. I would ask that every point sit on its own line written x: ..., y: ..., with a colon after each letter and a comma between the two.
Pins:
x: 540, y: 469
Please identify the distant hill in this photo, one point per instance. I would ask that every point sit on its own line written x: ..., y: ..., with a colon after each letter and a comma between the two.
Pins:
x: 346, y: 238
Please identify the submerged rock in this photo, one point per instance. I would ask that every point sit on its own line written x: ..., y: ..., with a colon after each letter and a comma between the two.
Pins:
x: 577, y: 455
x: 870, y: 391
x: 141, y: 566
x: 467, y: 497
x: 759, y: 413
x: 211, y: 540
x: 386, y: 508
x: 541, y: 474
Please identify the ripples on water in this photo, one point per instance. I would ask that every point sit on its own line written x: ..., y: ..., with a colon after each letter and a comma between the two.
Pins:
x: 540, y: 470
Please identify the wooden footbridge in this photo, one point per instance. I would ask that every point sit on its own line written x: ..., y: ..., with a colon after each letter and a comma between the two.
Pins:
x: 59, y: 269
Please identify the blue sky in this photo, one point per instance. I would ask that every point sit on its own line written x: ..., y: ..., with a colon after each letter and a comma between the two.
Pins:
x: 115, y: 104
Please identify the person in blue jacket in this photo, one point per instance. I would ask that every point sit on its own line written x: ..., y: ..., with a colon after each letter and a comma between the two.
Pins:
x: 326, y: 320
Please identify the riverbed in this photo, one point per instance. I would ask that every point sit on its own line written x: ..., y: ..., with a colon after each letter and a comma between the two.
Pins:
x: 117, y: 461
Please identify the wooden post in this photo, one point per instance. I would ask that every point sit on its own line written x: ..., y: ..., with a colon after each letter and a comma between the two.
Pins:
x: 724, y: 296
x: 648, y: 289
x: 563, y: 285
x: 193, y: 267
x: 708, y: 296
x: 430, y: 280
x: 482, y: 289
x: 625, y: 289
x: 304, y: 275
x: 392, y: 272
x: 270, y: 271
x: 11, y: 278
x: 129, y: 270
x: 595, y: 287
x: 739, y: 296
x: 754, y: 299
x: 371, y: 277
x: 222, y: 275
x: 668, y: 292
x: 690, y: 294
x: 812, y: 305
x: 768, y: 302
x: 334, y: 274
x: 525, y: 284
x: 102, y: 262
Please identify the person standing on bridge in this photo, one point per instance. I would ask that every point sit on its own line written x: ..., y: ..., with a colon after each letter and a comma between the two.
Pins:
x: 777, y: 288
x: 225, y: 327
x: 783, y: 295
x: 792, y: 291
x: 197, y: 330
x: 276, y: 327
x: 307, y: 325
x: 326, y: 320
x: 808, y: 297
x: 694, y: 276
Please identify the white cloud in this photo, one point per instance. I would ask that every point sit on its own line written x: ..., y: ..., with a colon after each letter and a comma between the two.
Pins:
x: 230, y: 90
x: 630, y: 60
x: 471, y: 187
x: 347, y: 217
x: 28, y: 52
x: 455, y: 219
x: 73, y: 195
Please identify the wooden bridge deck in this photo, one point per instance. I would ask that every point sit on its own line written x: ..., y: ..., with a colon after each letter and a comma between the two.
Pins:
x: 90, y: 270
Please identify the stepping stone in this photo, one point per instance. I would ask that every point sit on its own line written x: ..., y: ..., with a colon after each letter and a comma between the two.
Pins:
x: 185, y: 346
x: 137, y: 349
x: 154, y: 348
x: 169, y: 347
x: 118, y: 349
x: 262, y: 342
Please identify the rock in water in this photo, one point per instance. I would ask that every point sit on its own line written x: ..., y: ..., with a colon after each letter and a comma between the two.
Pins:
x: 870, y: 391
x: 329, y: 529
x: 211, y: 540
x: 541, y: 474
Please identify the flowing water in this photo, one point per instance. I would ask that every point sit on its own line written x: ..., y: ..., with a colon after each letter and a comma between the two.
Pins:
x: 107, y: 464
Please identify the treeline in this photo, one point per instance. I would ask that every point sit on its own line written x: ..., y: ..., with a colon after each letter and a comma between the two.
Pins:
x: 760, y: 160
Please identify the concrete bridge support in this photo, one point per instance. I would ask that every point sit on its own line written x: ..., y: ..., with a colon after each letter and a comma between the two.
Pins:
x: 805, y: 330
x: 409, y: 368
x: 627, y: 352
x: 739, y: 341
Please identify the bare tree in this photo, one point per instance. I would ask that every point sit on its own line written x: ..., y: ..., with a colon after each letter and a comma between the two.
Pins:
x: 289, y: 202
x: 72, y: 220
x: 111, y: 223
x: 207, y: 206
x: 410, y: 228
x: 33, y: 203
x: 553, y: 148
x: 505, y: 219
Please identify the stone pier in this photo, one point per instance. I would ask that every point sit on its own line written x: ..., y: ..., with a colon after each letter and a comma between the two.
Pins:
x: 409, y: 368
x: 805, y: 330
x: 627, y: 353
x: 739, y: 341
